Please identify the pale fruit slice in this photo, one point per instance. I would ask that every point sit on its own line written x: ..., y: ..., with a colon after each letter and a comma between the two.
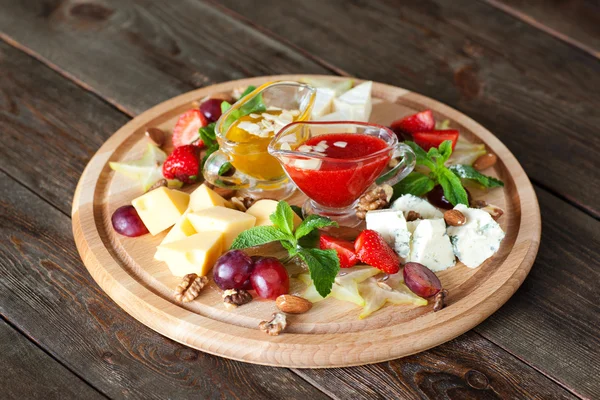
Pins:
x: 323, y: 102
x: 393, y: 290
x: 345, y: 287
x: 147, y: 170
x: 356, y: 102
x: 338, y: 86
x: 465, y: 153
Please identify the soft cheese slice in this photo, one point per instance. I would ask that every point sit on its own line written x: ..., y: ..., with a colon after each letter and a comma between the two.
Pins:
x: 334, y: 116
x: 431, y: 245
x: 182, y: 229
x: 195, y: 254
x: 262, y: 210
x: 391, y: 225
x: 478, y: 239
x: 323, y: 102
x: 230, y: 222
x: 204, y: 197
x: 161, y: 208
x: 408, y: 202
x: 356, y: 102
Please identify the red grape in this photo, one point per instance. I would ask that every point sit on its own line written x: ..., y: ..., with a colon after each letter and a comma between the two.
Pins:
x: 232, y: 270
x: 421, y: 280
x: 211, y: 109
x: 269, y: 278
x: 126, y: 221
x: 437, y: 198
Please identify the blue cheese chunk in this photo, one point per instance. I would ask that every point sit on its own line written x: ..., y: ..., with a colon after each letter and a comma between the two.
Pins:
x: 392, y: 226
x: 478, y: 239
x: 408, y: 202
x: 431, y: 245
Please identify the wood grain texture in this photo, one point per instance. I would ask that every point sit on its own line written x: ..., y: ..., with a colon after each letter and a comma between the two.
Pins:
x: 29, y: 373
x: 157, y: 49
x: 451, y: 371
x: 331, y: 334
x: 464, y: 54
x: 575, y: 21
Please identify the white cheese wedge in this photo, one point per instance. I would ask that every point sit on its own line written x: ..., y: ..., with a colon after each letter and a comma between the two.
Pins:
x: 323, y: 102
x: 478, y: 239
x: 431, y: 245
x: 356, y: 102
x: 408, y: 202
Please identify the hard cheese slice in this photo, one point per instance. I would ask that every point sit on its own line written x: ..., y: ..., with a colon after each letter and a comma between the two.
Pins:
x: 195, y: 254
x: 230, y: 222
x: 262, y: 210
x: 204, y: 197
x: 161, y: 208
x: 182, y: 229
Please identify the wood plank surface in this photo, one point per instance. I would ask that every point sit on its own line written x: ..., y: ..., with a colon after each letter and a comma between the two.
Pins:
x: 575, y: 21
x: 47, y: 293
x: 29, y: 373
x: 533, y: 93
x: 157, y: 49
x: 122, y: 357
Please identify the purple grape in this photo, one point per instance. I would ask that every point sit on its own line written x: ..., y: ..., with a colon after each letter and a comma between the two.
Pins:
x: 270, y: 278
x: 232, y: 270
x: 421, y: 280
x: 211, y: 109
x: 126, y: 221
x: 437, y: 198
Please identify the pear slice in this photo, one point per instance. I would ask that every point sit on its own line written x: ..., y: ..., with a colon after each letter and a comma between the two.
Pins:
x: 393, y: 290
x: 465, y: 153
x: 147, y: 170
x: 338, y: 86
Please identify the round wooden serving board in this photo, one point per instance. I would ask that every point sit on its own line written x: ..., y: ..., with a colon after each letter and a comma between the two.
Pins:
x: 329, y: 335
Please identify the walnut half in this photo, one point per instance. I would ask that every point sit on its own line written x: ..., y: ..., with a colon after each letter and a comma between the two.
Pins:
x: 275, y: 326
x: 190, y: 287
x: 374, y: 199
x: 233, y: 298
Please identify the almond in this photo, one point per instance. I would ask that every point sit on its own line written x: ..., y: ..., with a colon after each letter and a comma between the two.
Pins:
x: 495, y: 211
x: 485, y: 161
x: 454, y: 218
x: 293, y: 304
x: 156, y: 136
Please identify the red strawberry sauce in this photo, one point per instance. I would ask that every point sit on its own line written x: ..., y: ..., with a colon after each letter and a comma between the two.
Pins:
x: 345, y: 175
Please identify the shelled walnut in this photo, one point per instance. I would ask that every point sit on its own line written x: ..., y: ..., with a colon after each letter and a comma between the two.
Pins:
x: 233, y: 298
x: 190, y: 287
x: 374, y: 199
x: 275, y: 326
x: 242, y: 203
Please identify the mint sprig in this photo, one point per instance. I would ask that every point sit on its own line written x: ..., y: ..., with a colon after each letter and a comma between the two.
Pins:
x: 323, y: 265
x: 468, y: 172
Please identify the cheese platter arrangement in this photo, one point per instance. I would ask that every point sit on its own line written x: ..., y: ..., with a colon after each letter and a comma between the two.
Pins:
x: 306, y: 221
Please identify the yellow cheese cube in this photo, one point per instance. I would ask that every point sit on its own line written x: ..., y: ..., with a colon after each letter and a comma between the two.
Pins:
x: 160, y: 208
x: 182, y: 229
x: 204, y: 197
x: 262, y: 209
x: 195, y: 254
x: 221, y: 219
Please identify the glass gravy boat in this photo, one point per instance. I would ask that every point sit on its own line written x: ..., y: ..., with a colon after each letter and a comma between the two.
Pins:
x: 334, y: 163
x: 243, y: 139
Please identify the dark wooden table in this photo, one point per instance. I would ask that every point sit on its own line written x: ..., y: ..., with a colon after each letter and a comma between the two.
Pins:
x: 72, y: 72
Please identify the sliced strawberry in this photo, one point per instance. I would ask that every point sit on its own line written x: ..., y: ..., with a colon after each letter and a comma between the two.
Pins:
x: 420, y: 122
x: 431, y: 139
x: 343, y: 248
x: 372, y: 249
x: 183, y: 164
x: 186, y: 128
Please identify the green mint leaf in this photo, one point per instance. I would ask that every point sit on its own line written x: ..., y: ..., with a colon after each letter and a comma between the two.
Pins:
x: 248, y: 90
x: 210, y: 148
x: 283, y: 218
x: 225, y: 168
x: 445, y: 150
x: 311, y: 240
x: 415, y: 183
x: 298, y: 211
x: 311, y: 223
x: 323, y: 266
x: 454, y: 191
x: 421, y: 156
x: 468, y: 172
x: 207, y: 134
x: 225, y: 106
x: 257, y: 236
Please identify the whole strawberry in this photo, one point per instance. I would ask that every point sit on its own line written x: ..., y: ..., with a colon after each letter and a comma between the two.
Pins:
x: 183, y: 164
x: 372, y: 249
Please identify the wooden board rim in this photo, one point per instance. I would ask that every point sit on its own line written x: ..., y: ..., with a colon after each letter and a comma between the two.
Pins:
x: 291, y: 350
